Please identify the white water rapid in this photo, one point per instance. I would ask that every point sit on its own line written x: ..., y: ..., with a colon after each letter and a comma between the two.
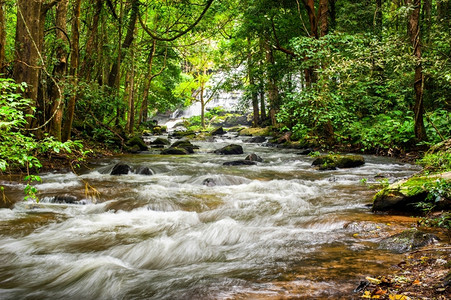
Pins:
x: 273, y: 230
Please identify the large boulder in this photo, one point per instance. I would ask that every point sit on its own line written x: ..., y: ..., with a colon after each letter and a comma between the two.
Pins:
x: 403, y: 196
x: 137, y: 141
x: 230, y: 150
x: 333, y: 161
x: 120, y: 169
x: 217, y: 131
x: 175, y: 151
x: 183, y: 133
x: 408, y: 240
x: 160, y: 141
x: 241, y: 162
x: 185, y: 144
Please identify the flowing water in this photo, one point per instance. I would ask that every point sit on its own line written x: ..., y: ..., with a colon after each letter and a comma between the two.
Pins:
x: 276, y: 230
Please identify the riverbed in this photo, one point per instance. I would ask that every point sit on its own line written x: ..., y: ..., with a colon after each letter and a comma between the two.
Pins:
x: 196, y: 229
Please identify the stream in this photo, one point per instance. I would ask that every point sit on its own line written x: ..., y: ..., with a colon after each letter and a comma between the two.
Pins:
x: 276, y: 230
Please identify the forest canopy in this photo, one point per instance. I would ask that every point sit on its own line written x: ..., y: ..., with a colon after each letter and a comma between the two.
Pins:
x: 371, y: 75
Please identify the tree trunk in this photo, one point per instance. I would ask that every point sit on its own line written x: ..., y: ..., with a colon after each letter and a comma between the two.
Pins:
x: 378, y: 21
x: 143, y: 113
x: 262, y: 102
x: 414, y: 33
x: 113, y: 79
x: 310, y: 7
x: 273, y: 93
x: 202, y: 101
x: 59, y: 70
x: 74, y: 62
x: 91, y: 44
x: 426, y: 19
x: 28, y: 61
x: 324, y: 17
x: 333, y: 14
x: 252, y: 87
x: 2, y: 38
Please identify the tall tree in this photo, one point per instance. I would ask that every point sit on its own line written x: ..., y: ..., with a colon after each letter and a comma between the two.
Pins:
x: 414, y: 33
x: 59, y: 71
x: 73, y: 70
x: 2, y: 37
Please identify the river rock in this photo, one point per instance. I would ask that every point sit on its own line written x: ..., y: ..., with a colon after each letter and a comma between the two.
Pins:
x: 256, y: 139
x: 230, y: 150
x: 175, y: 151
x: 242, y: 162
x: 404, y: 195
x: 160, y: 141
x: 137, y: 141
x: 217, y: 131
x: 408, y: 240
x: 331, y: 162
x: 305, y: 151
x: 184, y: 144
x: 68, y: 199
x: 209, y: 182
x: 254, y: 157
x: 121, y: 169
x: 181, y: 134
x: 144, y: 171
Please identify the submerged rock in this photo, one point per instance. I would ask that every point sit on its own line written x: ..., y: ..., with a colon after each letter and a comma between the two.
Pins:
x: 120, y: 169
x: 144, y: 171
x: 68, y: 199
x: 242, y: 162
x: 305, y: 151
x: 331, y: 162
x: 230, y: 150
x: 254, y: 157
x: 209, y: 182
x: 408, y: 240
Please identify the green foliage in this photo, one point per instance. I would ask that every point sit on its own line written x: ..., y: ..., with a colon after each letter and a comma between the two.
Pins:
x: 18, y: 149
x: 436, y: 162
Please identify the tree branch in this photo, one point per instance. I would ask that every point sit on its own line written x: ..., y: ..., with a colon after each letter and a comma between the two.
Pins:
x: 149, y: 32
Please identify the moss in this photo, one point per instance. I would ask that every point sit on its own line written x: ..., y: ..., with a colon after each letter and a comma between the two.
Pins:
x: 332, y: 161
x: 266, y: 131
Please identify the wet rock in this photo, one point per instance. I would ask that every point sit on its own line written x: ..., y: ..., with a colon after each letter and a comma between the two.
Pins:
x: 242, y: 162
x: 160, y: 141
x: 408, y: 240
x: 305, y: 151
x: 181, y: 134
x: 230, y: 150
x: 137, y: 141
x: 404, y: 195
x: 209, y: 182
x: 175, y: 151
x: 144, y: 171
x: 256, y: 139
x: 120, y: 169
x: 254, y: 157
x: 68, y: 199
x: 331, y: 162
x: 218, y: 131
x: 184, y: 144
x: 134, y: 149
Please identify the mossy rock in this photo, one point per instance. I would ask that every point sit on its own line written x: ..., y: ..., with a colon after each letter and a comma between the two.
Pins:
x: 230, y: 150
x: 266, y: 131
x: 333, y: 161
x: 408, y: 240
x: 181, y: 134
x: 160, y: 141
x: 137, y: 141
x: 217, y: 131
x: 184, y: 144
x: 175, y: 151
x: 403, y: 196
